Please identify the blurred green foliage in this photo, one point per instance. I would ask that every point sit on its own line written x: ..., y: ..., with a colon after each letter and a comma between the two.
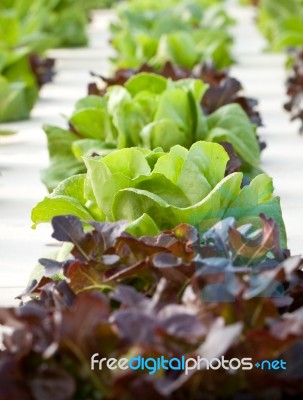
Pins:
x: 186, y: 32
x: 282, y: 23
x: 31, y: 27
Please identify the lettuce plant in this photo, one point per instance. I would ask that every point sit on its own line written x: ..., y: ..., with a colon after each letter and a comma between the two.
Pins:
x: 282, y: 23
x: 294, y: 87
x: 148, y: 111
x: 27, y: 29
x: 223, y: 89
x: 22, y: 74
x: 186, y: 33
x: 57, y: 23
x: 154, y: 190
x: 175, y: 295
x: 99, y: 255
x: 22, y: 71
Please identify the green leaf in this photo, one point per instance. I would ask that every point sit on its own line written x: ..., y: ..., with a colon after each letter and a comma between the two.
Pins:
x: 59, y: 141
x: 62, y: 159
x: 230, y: 123
x: 170, y: 165
x: 211, y: 209
x: 178, y: 47
x: 146, y: 81
x: 114, y: 172
x: 59, y: 205
x: 164, y: 133
x: 128, y: 116
x: 130, y: 204
x: 67, y: 198
x: 91, y: 123
x: 90, y: 102
x: 16, y: 100
x: 174, y: 105
x: 202, y: 170
x: 9, y: 28
x: 72, y: 187
x: 140, y: 226
x: 259, y: 190
x: 59, y: 169
x: 87, y: 147
x: 164, y: 188
x: 195, y: 86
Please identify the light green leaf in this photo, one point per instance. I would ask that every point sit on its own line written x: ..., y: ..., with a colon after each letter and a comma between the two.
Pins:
x: 59, y: 205
x: 230, y: 123
x: 164, y: 133
x: 140, y: 226
x: 202, y: 170
x: 146, y: 81
x: 87, y: 147
x: 131, y: 204
x: 62, y: 159
x: 91, y: 123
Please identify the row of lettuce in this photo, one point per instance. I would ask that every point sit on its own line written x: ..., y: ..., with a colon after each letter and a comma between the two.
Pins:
x: 282, y: 25
x: 174, y: 244
x: 27, y: 29
x: 145, y: 148
x: 223, y: 296
x: 186, y: 33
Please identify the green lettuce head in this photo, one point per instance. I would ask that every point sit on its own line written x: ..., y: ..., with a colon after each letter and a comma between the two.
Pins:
x: 155, y: 191
x: 150, y: 112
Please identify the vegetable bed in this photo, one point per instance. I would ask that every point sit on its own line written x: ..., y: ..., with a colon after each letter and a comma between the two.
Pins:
x: 173, y: 245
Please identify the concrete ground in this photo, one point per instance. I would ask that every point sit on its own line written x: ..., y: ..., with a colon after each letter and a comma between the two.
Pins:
x: 22, y: 156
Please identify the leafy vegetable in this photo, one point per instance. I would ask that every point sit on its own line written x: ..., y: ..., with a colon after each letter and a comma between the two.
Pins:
x: 156, y: 191
x: 27, y: 29
x: 21, y: 76
x: 186, y: 33
x: 222, y: 88
x: 157, y: 296
x: 22, y: 71
x: 48, y: 23
x: 282, y: 23
x: 99, y: 257
x: 294, y: 86
x: 148, y: 111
